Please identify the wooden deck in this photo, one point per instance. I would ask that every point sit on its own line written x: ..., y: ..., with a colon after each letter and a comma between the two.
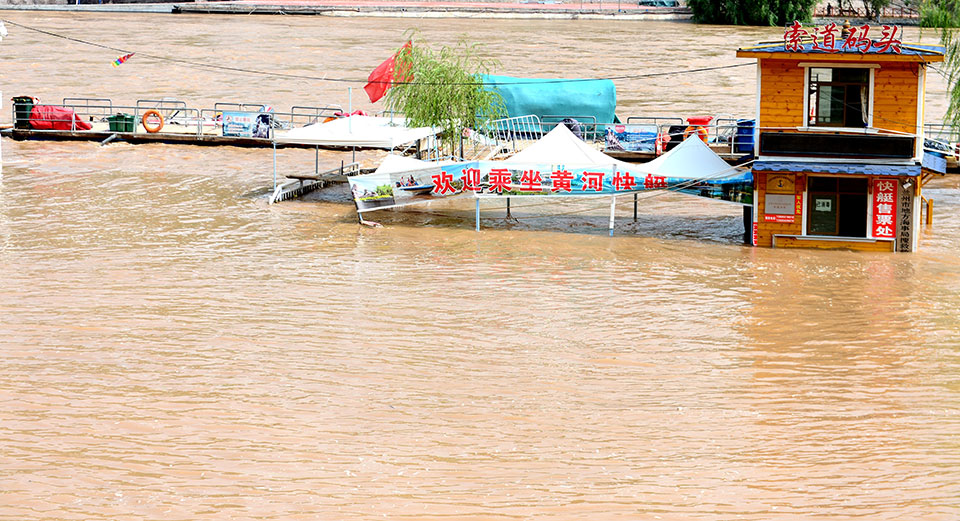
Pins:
x: 167, y: 137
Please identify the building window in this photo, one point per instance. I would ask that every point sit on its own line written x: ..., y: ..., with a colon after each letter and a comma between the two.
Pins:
x: 837, y: 206
x: 839, y: 97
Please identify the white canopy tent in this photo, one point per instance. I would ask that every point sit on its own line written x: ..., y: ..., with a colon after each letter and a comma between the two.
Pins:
x: 688, y: 163
x: 396, y: 163
x: 358, y: 131
x: 691, y: 159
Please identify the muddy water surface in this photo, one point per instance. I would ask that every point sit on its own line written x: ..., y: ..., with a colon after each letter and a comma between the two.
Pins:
x: 175, y: 348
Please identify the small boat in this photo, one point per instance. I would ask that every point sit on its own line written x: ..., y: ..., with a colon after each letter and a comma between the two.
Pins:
x: 417, y: 189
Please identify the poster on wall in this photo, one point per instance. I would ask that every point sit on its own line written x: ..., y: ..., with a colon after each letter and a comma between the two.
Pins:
x: 631, y: 138
x: 246, y: 124
x: 779, y: 208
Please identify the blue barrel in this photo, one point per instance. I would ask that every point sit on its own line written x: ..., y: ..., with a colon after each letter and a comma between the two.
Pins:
x: 743, y: 141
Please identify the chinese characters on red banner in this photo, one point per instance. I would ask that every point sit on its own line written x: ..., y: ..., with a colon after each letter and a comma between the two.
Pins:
x: 884, y: 208
x: 592, y: 181
x: 499, y: 180
x: 530, y: 181
x: 653, y: 181
x: 561, y: 181
x: 826, y: 39
x: 442, y: 183
x: 471, y: 179
x: 504, y: 181
x: 623, y: 181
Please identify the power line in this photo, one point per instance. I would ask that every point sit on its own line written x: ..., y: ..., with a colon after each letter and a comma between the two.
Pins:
x: 202, y: 65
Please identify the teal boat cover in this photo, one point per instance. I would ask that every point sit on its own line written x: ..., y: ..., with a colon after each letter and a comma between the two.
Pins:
x: 587, y: 101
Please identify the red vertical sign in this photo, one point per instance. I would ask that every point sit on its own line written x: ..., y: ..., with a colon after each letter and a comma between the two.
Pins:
x: 884, y: 208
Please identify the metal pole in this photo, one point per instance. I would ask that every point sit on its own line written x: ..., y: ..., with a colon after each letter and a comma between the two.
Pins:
x: 613, y: 208
x: 316, y: 161
x: 635, y: 207
x: 477, y: 218
x: 274, y: 166
x: 508, y: 207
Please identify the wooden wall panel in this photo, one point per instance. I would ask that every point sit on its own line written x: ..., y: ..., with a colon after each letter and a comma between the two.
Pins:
x: 789, y: 242
x: 765, y: 230
x: 895, y: 97
x: 781, y: 94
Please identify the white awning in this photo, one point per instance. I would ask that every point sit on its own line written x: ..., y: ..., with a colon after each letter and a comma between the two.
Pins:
x: 560, y: 146
x: 358, y: 131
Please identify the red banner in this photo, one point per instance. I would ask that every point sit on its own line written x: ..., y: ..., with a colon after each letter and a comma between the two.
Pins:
x: 773, y: 218
x: 884, y: 208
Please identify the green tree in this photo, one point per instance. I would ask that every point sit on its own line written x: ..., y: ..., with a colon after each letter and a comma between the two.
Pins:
x: 751, y: 12
x: 944, y: 15
x: 442, y: 88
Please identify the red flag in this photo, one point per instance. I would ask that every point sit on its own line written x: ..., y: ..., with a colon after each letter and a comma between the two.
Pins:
x: 382, y: 77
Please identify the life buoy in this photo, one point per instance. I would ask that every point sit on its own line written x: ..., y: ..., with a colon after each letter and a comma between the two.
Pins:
x: 701, y: 132
x: 329, y: 119
x: 153, y: 129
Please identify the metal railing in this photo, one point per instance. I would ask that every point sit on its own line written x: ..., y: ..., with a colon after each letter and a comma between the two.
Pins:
x: 91, y: 106
x: 514, y: 134
x: 240, y: 107
x: 303, y: 115
x: 655, y: 120
x: 643, y: 132
x: 585, y: 126
x: 942, y: 132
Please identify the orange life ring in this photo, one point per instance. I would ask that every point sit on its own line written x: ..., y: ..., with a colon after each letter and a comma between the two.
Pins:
x: 153, y: 129
x: 699, y: 130
x: 329, y: 119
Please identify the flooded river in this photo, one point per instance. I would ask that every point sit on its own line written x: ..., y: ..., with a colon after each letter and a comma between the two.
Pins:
x: 175, y: 348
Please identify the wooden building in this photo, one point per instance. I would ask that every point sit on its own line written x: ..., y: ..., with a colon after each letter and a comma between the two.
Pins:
x: 839, y: 145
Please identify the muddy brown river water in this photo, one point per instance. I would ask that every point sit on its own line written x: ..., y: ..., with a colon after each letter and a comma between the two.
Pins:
x: 174, y: 348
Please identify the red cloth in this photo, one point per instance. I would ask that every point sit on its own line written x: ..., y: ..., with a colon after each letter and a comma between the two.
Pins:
x: 342, y: 114
x: 382, y: 77
x: 50, y: 117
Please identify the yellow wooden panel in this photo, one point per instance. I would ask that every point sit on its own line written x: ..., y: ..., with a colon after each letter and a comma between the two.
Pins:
x: 781, y: 94
x: 791, y: 242
x: 895, y: 97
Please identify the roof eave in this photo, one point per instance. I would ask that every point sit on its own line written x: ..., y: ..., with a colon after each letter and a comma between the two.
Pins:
x: 841, y: 57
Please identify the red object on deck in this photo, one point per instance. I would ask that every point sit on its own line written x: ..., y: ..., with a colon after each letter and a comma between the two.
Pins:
x: 51, y: 117
x: 698, y: 127
x: 382, y: 77
x: 700, y: 120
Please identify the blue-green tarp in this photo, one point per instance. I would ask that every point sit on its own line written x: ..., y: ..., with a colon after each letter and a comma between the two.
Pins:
x: 588, y: 101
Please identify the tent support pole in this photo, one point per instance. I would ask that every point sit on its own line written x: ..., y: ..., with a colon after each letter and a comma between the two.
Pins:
x: 635, y: 207
x: 477, y: 217
x: 613, y: 208
x: 508, y: 208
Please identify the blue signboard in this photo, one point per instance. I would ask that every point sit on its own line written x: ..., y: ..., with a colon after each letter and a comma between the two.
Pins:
x: 246, y: 124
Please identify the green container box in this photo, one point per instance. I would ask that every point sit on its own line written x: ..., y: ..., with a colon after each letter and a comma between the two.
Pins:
x: 22, y: 107
x: 121, y: 123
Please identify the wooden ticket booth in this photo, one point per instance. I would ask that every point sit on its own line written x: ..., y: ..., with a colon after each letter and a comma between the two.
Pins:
x: 839, y: 150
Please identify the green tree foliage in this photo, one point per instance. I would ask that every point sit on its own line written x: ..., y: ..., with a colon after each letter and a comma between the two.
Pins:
x: 751, y: 12
x: 873, y: 8
x: 944, y: 15
x: 442, y: 88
